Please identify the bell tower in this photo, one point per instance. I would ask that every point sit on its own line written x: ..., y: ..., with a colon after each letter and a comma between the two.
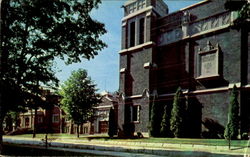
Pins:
x: 136, y: 23
x: 136, y: 61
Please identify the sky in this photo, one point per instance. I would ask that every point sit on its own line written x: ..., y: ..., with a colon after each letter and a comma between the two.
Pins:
x: 104, y: 68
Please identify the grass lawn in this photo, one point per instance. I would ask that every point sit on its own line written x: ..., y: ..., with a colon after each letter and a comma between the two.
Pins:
x: 104, y: 137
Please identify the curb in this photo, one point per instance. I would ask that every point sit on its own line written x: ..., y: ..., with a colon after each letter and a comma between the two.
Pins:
x: 161, y: 149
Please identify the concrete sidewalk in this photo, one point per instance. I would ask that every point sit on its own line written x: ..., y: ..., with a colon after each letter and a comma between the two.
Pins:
x: 117, y: 148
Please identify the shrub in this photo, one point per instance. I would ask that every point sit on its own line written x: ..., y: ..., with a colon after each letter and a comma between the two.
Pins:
x: 177, y: 115
x: 232, y: 128
x: 154, y: 128
x: 165, y: 125
x: 112, y: 124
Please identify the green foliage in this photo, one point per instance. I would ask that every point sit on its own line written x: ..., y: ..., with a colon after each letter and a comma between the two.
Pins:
x: 244, y: 16
x: 232, y: 128
x: 79, y: 97
x: 34, y: 33
x: 154, y: 127
x: 165, y: 125
x: 177, y: 114
x: 112, y: 123
x: 242, y: 8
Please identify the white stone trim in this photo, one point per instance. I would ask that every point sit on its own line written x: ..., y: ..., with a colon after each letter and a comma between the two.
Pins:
x: 137, y: 13
x: 149, y: 13
x: 108, y: 98
x: 106, y: 106
x: 221, y: 89
x: 209, y: 90
x: 231, y: 85
x: 211, y: 30
x: 202, y: 91
x: 246, y: 86
x: 133, y: 96
x: 206, y: 77
x: 124, y: 23
x: 147, y: 65
x: 137, y: 47
x: 122, y: 70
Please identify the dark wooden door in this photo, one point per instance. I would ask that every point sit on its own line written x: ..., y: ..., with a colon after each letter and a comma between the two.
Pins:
x: 103, y: 126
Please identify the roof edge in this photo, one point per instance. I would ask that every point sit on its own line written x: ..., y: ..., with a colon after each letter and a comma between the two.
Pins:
x: 195, y: 5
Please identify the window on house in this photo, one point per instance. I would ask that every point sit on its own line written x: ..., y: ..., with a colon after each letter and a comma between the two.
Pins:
x: 132, y: 34
x: 55, y: 118
x: 66, y: 130
x: 27, y: 122
x: 85, y: 130
x: 40, y: 119
x: 135, y: 113
x: 141, y: 31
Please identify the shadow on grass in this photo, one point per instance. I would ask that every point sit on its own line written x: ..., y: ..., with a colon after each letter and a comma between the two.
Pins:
x: 238, y: 148
x: 18, y: 150
x: 111, y: 138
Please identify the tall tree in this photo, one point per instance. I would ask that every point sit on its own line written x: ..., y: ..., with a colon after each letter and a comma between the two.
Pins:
x: 33, y: 34
x: 165, y: 124
x: 232, y: 128
x: 177, y: 114
x: 79, y: 97
x: 242, y: 8
x: 154, y: 130
x: 112, y: 123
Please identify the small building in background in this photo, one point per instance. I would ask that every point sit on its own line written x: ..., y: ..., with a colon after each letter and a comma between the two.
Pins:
x: 52, y: 119
x: 102, y: 112
x: 48, y: 120
x: 99, y: 124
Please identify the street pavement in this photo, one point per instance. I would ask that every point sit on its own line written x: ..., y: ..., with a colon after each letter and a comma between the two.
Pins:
x: 125, y: 149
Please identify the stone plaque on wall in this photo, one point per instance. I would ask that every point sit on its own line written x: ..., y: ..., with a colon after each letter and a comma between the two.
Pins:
x: 208, y: 61
x: 208, y: 64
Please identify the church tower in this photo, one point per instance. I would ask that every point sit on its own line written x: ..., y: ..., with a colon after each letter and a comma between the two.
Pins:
x: 136, y: 61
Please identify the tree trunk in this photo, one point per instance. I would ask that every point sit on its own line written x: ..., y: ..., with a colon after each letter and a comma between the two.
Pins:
x: 70, y: 127
x: 78, y: 130
x: 49, y: 119
x: 16, y: 121
x: 1, y: 135
x: 229, y: 144
x: 2, y: 115
x: 35, y: 122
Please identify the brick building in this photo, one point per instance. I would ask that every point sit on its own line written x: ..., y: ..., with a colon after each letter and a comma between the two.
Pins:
x: 51, y: 120
x: 102, y: 112
x: 99, y: 123
x: 194, y: 48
